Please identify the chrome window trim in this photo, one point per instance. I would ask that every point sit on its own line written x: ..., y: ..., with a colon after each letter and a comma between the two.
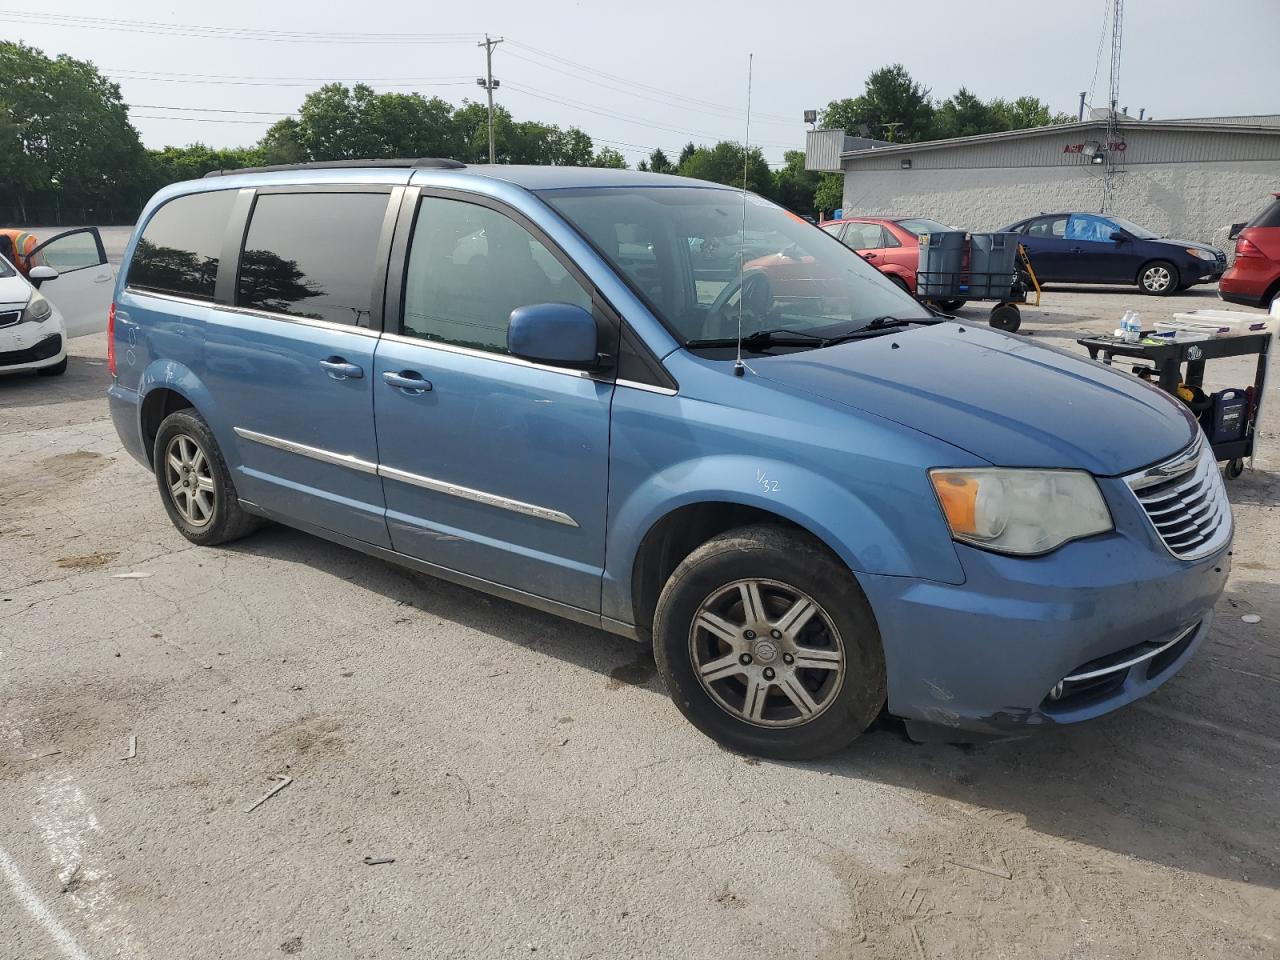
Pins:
x: 1147, y: 655
x: 250, y: 312
x: 647, y: 388
x: 315, y: 453
x: 404, y: 476
x: 488, y: 355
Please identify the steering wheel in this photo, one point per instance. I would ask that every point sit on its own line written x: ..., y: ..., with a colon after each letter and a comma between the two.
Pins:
x: 756, y: 293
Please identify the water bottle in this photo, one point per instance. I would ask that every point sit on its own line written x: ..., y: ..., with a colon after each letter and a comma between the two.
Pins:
x: 1134, y: 333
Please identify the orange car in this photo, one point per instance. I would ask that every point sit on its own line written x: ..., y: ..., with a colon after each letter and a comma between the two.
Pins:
x: 891, y: 244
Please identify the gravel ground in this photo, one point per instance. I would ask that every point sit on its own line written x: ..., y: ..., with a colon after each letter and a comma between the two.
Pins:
x: 538, y: 793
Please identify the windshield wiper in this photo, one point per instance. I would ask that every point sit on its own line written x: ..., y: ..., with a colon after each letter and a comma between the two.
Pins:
x: 878, y: 326
x: 761, y: 339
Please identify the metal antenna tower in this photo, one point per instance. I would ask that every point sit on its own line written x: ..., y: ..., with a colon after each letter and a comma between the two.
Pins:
x: 1113, y: 98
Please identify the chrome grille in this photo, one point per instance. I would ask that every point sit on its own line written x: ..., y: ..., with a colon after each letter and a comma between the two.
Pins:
x: 1186, y: 502
x: 9, y: 317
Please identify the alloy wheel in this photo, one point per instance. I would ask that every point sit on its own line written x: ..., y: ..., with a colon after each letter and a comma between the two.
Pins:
x: 1157, y: 278
x: 767, y: 653
x: 190, y: 480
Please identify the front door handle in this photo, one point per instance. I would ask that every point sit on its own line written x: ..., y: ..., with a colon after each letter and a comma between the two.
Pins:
x: 409, y: 382
x: 868, y: 256
x: 103, y: 278
x: 338, y: 369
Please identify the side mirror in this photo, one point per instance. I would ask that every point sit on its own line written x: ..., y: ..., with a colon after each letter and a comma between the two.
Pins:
x: 1235, y: 230
x: 1119, y: 237
x: 40, y: 274
x: 560, y: 334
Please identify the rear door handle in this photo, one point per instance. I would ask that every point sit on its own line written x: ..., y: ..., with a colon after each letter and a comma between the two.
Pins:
x: 102, y: 278
x: 338, y: 369
x: 409, y: 382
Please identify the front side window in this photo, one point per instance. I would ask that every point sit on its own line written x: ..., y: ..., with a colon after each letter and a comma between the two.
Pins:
x: 918, y: 226
x: 713, y: 255
x: 74, y: 250
x: 312, y: 255
x: 179, y: 248
x: 470, y: 266
x: 1091, y: 229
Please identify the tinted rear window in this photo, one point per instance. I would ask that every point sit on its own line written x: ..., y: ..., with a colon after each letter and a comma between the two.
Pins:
x: 1269, y: 217
x: 179, y: 248
x: 312, y: 255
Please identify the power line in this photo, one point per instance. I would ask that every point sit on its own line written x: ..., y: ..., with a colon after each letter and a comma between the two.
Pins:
x: 594, y: 73
x: 613, y: 114
x: 724, y: 113
x: 308, y: 82
x: 207, y: 32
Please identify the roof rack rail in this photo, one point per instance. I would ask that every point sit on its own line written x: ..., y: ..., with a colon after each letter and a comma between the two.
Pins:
x: 435, y: 163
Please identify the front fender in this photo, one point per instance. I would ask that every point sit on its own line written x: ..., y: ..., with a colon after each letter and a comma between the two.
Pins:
x: 853, y: 528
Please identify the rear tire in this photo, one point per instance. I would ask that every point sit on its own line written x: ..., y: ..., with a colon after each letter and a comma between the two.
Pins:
x: 195, y: 483
x: 57, y: 370
x: 813, y: 677
x: 951, y: 306
x: 1159, y: 278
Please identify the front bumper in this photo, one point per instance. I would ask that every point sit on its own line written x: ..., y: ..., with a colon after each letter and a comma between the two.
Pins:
x: 31, y: 352
x: 982, y: 657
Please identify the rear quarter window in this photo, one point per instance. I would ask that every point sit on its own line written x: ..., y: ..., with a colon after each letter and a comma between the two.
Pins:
x: 1269, y: 217
x: 179, y: 248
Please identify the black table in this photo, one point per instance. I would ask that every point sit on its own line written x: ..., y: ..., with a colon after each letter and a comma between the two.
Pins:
x: 1169, y: 358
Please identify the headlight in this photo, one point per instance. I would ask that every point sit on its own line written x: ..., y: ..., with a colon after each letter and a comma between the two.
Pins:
x: 37, y: 310
x: 1020, y: 511
x: 1202, y: 254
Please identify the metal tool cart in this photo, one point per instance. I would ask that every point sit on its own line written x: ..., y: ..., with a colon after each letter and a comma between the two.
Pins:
x: 1230, y: 417
x: 955, y: 265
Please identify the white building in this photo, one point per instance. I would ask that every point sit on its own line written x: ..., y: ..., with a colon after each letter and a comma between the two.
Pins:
x: 1191, y: 179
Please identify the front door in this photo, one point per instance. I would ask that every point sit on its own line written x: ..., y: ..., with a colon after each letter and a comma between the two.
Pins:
x: 1096, y: 258
x: 291, y: 365
x: 491, y: 466
x: 82, y: 289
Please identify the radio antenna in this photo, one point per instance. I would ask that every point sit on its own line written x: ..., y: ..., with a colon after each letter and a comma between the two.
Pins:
x: 739, y: 368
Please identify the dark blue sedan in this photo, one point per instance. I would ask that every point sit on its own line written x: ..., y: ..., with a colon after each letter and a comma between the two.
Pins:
x: 1088, y: 248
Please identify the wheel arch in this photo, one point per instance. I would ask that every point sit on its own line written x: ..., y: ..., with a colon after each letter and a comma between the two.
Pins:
x: 655, y: 528
x: 165, y: 387
x: 1137, y: 277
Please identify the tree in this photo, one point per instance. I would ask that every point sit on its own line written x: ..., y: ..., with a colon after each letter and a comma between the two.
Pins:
x: 66, y: 134
x: 892, y: 105
x: 1027, y: 112
x: 686, y: 153
x: 659, y: 163
x: 793, y: 185
x: 830, y: 193
x: 723, y: 163
x: 964, y: 115
x: 191, y: 163
x: 608, y: 157
x: 282, y: 143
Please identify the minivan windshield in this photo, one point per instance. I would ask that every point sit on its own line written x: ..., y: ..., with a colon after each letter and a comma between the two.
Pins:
x: 686, y: 251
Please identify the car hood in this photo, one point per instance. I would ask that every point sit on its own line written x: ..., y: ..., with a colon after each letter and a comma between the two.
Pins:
x: 1183, y: 244
x: 1001, y: 397
x: 14, y: 291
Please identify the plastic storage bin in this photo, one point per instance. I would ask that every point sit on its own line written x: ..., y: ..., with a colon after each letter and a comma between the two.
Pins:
x: 992, y: 270
x: 941, y: 265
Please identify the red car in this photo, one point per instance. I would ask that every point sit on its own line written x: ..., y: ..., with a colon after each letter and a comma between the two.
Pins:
x: 891, y: 244
x: 1254, y: 279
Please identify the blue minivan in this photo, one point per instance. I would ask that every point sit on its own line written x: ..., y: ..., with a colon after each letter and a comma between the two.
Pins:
x: 816, y: 499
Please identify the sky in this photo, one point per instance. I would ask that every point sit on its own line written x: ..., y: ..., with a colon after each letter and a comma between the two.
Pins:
x: 657, y: 74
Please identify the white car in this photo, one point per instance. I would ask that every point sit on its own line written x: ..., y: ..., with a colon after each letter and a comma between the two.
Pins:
x: 68, y: 295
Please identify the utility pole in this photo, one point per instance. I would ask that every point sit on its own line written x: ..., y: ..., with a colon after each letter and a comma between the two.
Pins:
x: 489, y: 83
x: 1080, y: 115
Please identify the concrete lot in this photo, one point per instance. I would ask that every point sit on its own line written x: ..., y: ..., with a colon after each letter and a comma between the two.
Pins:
x: 539, y: 794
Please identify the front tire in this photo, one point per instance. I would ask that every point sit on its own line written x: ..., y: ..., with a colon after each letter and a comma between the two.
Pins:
x: 1159, y: 278
x: 195, y: 483
x: 768, y: 645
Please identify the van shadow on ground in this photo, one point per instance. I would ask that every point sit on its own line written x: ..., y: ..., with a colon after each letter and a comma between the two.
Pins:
x: 1189, y: 778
